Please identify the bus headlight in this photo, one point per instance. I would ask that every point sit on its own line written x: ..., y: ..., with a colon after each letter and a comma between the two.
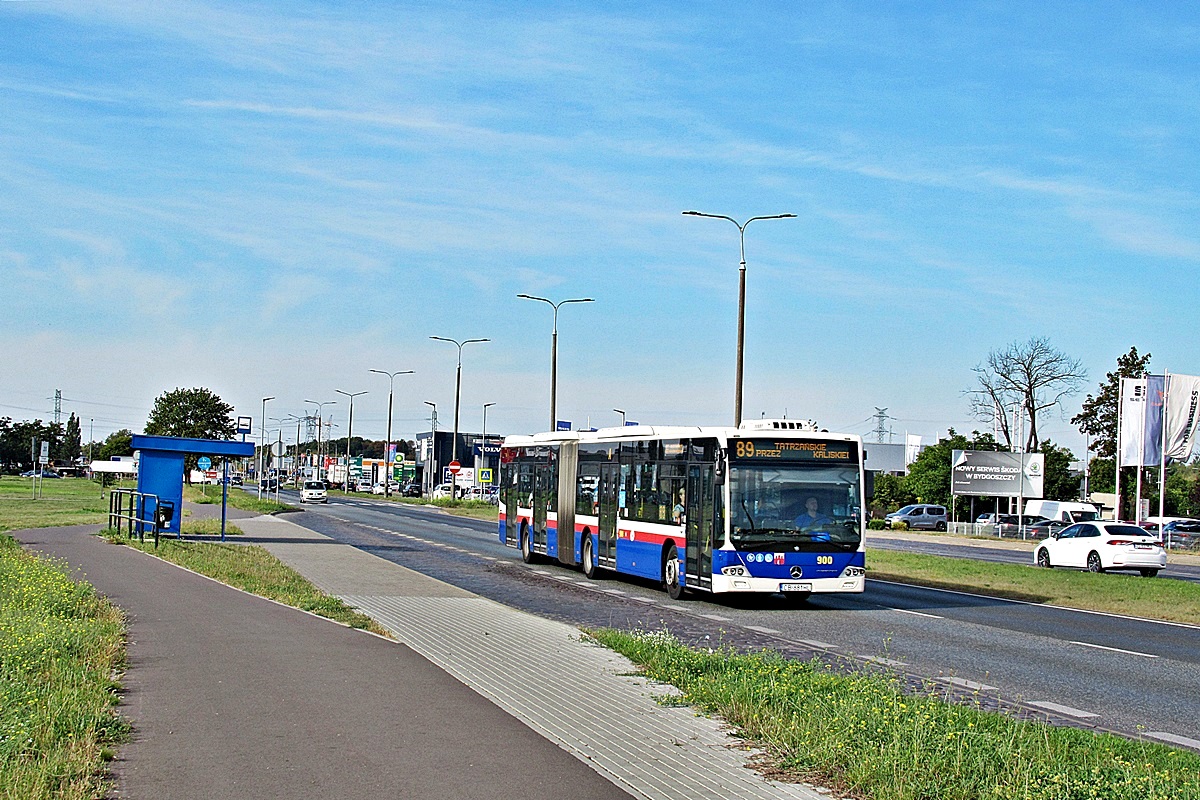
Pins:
x: 736, y: 570
x: 853, y: 572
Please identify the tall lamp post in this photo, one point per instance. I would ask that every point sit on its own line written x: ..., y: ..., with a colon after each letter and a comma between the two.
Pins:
x: 741, y: 226
x: 554, y: 351
x: 262, y: 445
x: 457, y: 386
x: 320, y: 451
x: 621, y: 411
x: 391, y: 376
x: 483, y: 445
x: 349, y: 433
x: 434, y: 478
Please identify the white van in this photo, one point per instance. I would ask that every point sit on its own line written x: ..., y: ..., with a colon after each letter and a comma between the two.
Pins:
x: 1062, y: 511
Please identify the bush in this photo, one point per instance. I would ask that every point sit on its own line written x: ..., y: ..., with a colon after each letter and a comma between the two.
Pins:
x: 875, y: 525
x: 899, y: 525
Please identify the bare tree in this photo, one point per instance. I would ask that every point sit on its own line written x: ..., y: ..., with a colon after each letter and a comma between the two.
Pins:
x: 1032, y: 375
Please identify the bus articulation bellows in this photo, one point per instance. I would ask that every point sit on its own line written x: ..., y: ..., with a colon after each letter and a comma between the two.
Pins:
x: 771, y: 506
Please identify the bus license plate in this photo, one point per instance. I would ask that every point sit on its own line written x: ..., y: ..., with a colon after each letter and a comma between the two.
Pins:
x: 795, y: 587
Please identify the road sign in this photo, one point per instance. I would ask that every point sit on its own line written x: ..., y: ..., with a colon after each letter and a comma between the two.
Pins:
x: 205, y: 463
x: 243, y: 425
x: 485, y: 475
x: 454, y: 467
x: 44, y: 458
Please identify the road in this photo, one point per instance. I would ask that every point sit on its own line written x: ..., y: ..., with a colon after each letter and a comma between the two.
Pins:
x: 1099, y: 670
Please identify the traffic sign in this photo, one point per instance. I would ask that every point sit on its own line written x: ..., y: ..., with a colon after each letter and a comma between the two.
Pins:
x: 454, y: 467
x: 485, y: 475
x: 205, y: 463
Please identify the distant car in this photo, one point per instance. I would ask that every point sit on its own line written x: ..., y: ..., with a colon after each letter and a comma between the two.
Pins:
x: 314, y: 492
x: 443, y: 490
x: 269, y: 484
x: 1098, y: 546
x: 1046, y: 527
x: 411, y: 489
x: 919, y: 517
x: 46, y: 473
x: 235, y: 480
x: 391, y: 487
x: 1181, y: 533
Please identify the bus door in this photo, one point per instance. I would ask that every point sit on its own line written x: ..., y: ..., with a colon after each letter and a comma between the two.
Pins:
x: 510, y: 493
x: 543, y: 485
x: 699, y: 527
x: 610, y: 475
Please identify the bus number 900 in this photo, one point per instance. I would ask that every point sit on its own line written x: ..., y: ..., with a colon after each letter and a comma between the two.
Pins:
x: 824, y: 559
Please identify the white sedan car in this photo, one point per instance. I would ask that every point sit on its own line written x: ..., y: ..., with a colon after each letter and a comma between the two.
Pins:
x: 1098, y: 546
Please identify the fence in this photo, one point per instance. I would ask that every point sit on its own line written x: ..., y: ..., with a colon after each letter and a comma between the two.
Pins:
x: 1002, y: 531
x: 136, y: 511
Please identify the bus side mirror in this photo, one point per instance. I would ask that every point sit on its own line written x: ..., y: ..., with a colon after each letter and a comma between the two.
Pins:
x: 719, y: 475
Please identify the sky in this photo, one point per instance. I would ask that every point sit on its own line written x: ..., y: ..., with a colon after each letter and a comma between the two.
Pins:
x: 272, y: 199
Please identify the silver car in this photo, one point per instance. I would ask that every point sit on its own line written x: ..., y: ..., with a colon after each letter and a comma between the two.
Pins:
x: 919, y: 516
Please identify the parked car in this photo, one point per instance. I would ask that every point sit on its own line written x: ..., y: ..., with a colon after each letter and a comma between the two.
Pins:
x: 314, y: 492
x: 391, y: 487
x: 1098, y: 546
x: 411, y: 489
x: 269, y: 484
x: 46, y: 473
x: 1045, y: 528
x: 1181, y: 533
x: 443, y: 490
x: 919, y: 517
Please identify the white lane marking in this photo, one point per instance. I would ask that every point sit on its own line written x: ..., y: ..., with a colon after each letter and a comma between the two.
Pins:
x: 887, y: 662
x: 715, y: 617
x: 818, y: 645
x: 1115, y: 650
x: 1070, y: 712
x: 917, y: 613
x: 674, y: 607
x: 1174, y: 739
x: 646, y: 600
x: 613, y: 591
x: 972, y: 685
x: 542, y: 572
x: 1042, y: 605
x: 760, y: 629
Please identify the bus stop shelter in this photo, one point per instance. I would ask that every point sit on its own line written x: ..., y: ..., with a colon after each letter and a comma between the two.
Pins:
x: 160, y: 470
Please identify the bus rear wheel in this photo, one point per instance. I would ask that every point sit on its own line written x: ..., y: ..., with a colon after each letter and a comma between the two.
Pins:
x: 672, y: 572
x: 588, y: 560
x: 527, y: 545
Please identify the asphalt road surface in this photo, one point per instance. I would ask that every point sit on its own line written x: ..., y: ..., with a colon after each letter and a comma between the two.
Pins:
x: 1099, y: 670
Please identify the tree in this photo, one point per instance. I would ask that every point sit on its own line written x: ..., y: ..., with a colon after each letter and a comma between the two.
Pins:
x: 71, y: 448
x: 1031, y: 374
x: 191, y: 413
x: 118, y: 443
x: 1059, y: 481
x: 1098, y: 416
x: 888, y: 494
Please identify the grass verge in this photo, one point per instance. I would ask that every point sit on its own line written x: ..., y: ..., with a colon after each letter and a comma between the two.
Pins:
x: 862, y: 735
x: 208, y: 527
x: 254, y: 570
x: 474, y: 509
x: 1152, y: 598
x: 60, y: 645
x: 64, y: 501
x: 208, y: 495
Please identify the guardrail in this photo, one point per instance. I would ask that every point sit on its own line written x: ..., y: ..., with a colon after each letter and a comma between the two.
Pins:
x: 134, y: 511
x: 1002, y: 531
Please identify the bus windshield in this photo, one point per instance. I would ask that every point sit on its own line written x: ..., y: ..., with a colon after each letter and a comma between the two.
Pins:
x: 784, y: 507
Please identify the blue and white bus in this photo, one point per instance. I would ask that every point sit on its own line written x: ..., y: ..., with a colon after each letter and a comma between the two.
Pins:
x: 771, y: 506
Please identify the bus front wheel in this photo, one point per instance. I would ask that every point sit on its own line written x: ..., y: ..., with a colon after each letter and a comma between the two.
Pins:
x: 672, y: 572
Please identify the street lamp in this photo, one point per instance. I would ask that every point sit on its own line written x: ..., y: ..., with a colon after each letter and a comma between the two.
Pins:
x: 262, y: 445
x: 349, y: 433
x: 621, y: 411
x: 434, y: 478
x: 554, y: 352
x: 387, y: 483
x: 320, y: 450
x: 741, y: 226
x: 457, y: 387
x: 483, y: 446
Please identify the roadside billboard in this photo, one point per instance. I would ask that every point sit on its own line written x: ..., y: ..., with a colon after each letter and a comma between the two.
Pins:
x: 988, y: 473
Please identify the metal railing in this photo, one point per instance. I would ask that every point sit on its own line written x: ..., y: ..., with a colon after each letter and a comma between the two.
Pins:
x: 135, y: 512
x: 1004, y: 530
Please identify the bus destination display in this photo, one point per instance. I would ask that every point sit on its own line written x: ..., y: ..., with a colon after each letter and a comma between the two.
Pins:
x: 793, y: 450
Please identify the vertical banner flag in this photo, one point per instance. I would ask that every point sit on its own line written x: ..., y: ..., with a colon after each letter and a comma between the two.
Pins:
x: 1182, y: 415
x: 1152, y: 441
x: 912, y: 447
x: 1133, y: 421
x: 391, y: 453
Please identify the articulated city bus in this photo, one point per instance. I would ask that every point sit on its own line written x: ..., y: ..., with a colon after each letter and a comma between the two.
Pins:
x: 772, y: 506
